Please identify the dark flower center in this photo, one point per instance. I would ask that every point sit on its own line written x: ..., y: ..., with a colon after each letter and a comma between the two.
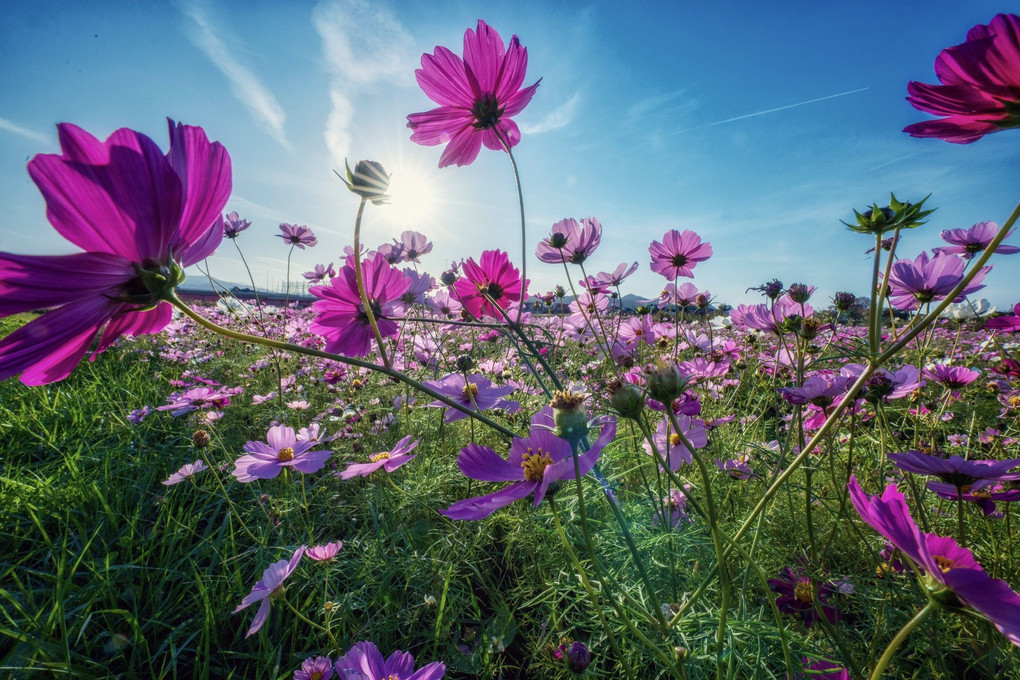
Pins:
x: 679, y: 260
x: 493, y: 290
x: 486, y: 111
x: 558, y: 240
x: 376, y: 310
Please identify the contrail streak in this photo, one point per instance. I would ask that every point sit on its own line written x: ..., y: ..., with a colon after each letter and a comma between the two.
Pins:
x: 779, y: 108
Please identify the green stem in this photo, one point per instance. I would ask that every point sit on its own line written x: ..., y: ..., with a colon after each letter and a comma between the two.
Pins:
x: 366, y: 305
x: 890, y: 651
x: 298, y: 349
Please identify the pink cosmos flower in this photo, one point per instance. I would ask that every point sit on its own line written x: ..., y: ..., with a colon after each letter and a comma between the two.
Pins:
x: 413, y: 245
x: 364, y: 661
x: 390, y: 460
x: 324, y: 553
x: 570, y: 242
x: 616, y: 277
x: 297, y: 235
x: 678, y: 254
x: 948, y: 566
x: 477, y: 96
x: 272, y: 578
x: 927, y: 279
x: 141, y: 216
x: 951, y: 377
x: 671, y: 446
x: 1007, y: 324
x: 320, y: 273
x: 281, y: 449
x: 968, y: 242
x: 980, y: 85
x: 315, y: 668
x: 493, y: 280
x: 340, y: 316
x: 185, y: 472
x: 234, y: 225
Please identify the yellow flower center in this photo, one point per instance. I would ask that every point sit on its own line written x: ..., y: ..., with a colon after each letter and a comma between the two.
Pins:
x: 380, y: 456
x: 675, y: 440
x: 1014, y: 402
x: 470, y: 390
x: 883, y: 570
x: 285, y: 454
x: 534, y: 464
x: 945, y: 564
x: 804, y: 592
x: 317, y: 675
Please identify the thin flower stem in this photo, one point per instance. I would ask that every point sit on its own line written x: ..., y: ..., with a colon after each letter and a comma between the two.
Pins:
x: 172, y: 298
x: 524, y: 238
x: 359, y: 277
x: 905, y: 631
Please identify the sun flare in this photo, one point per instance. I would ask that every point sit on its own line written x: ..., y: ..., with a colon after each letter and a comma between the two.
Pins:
x: 413, y: 197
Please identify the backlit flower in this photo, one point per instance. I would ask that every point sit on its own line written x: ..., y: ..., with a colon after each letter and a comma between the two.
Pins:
x: 340, y: 316
x: 234, y: 225
x: 980, y: 85
x: 968, y: 242
x: 493, y: 280
x: 142, y: 217
x: 570, y: 241
x: 678, y: 254
x: 297, y: 235
x: 477, y: 96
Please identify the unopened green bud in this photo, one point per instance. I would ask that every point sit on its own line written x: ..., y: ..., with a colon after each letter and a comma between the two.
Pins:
x: 569, y: 416
x: 369, y: 180
x: 626, y: 399
x: 897, y: 215
x: 465, y: 363
x: 665, y: 382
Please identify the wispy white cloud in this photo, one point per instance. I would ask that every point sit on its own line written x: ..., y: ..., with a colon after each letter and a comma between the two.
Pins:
x: 559, y: 117
x: 780, y: 108
x: 8, y: 126
x: 244, y: 84
x: 363, y: 43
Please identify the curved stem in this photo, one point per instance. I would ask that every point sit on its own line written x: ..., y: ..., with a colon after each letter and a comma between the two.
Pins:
x: 172, y: 298
x: 890, y: 651
x: 524, y: 238
x: 361, y: 285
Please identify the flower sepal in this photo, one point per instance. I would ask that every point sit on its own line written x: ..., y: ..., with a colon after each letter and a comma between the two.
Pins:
x: 896, y: 215
x: 368, y: 180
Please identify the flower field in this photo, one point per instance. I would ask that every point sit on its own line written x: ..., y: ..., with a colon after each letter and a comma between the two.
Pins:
x: 416, y: 472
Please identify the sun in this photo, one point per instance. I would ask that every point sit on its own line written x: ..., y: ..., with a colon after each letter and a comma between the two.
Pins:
x: 413, y: 197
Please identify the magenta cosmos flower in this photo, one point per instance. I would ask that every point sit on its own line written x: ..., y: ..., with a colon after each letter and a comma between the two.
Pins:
x: 570, y: 242
x: 493, y: 280
x: 281, y: 449
x: 1007, y: 324
x: 389, y: 460
x: 535, y: 462
x: 340, y: 316
x: 297, y: 235
x: 678, y: 253
x: 272, y: 578
x: 140, y: 215
x: 477, y: 96
x: 364, y: 661
x: 968, y: 242
x: 980, y: 85
x: 948, y: 566
x: 913, y: 283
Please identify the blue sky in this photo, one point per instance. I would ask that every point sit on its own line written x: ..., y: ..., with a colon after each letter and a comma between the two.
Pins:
x: 758, y: 125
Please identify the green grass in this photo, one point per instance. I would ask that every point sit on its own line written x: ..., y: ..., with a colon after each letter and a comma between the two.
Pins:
x: 104, y: 572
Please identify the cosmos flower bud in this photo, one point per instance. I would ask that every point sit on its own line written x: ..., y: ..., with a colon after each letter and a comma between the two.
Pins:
x: 626, y: 399
x: 800, y: 292
x: 578, y: 657
x: 809, y: 328
x: 465, y: 363
x: 200, y: 439
x: 665, y: 381
x: 449, y: 277
x: 369, y: 180
x: 877, y: 388
x: 702, y: 300
x: 896, y: 215
x: 569, y: 416
x: 843, y: 301
x: 560, y: 291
